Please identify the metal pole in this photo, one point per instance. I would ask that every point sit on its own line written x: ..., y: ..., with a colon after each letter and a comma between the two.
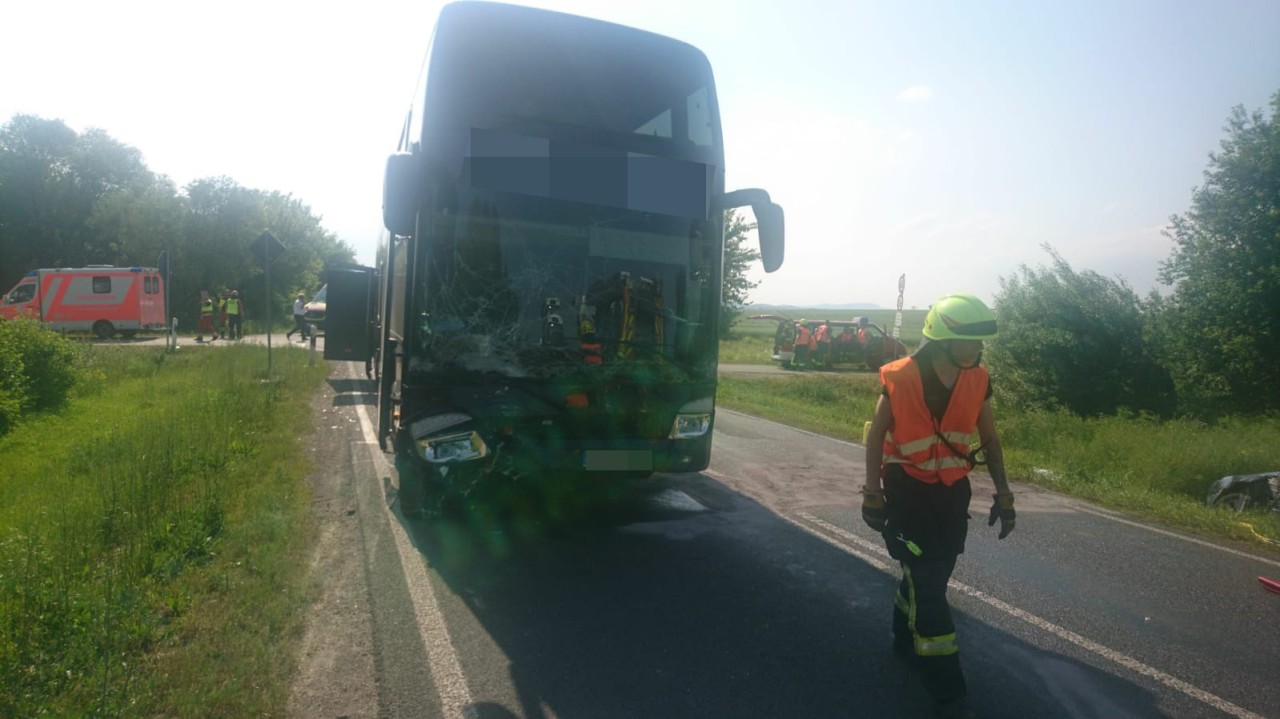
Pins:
x: 266, y: 304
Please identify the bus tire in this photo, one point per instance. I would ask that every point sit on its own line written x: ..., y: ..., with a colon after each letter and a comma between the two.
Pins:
x: 103, y: 330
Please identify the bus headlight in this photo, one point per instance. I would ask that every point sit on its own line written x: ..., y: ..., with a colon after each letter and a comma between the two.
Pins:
x: 454, y: 448
x: 693, y: 419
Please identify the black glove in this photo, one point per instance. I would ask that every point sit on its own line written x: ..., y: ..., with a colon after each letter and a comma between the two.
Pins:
x: 1002, y: 509
x: 873, y: 511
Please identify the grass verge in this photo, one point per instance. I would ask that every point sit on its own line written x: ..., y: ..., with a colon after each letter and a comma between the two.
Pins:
x: 153, y: 538
x: 1154, y: 469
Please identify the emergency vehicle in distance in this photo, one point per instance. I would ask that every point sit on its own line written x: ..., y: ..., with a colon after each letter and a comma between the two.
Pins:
x: 102, y: 299
x: 880, y: 347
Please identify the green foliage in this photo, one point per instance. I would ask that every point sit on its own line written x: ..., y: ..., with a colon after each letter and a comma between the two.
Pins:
x: 137, y: 554
x: 1220, y: 329
x: 13, y: 385
x: 38, y: 369
x: 1073, y: 340
x: 834, y: 405
x: 738, y: 258
x: 69, y: 199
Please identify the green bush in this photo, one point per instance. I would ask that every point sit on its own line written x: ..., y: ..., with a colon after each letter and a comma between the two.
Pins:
x: 13, y: 385
x: 1074, y: 340
x: 38, y: 368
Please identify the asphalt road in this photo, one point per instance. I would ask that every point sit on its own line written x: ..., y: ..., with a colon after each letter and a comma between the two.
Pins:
x: 754, y: 590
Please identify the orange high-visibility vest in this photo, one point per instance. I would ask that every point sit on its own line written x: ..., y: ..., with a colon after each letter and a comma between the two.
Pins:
x: 802, y: 335
x: 914, y: 441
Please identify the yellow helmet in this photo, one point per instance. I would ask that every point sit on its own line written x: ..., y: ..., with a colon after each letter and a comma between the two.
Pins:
x: 960, y: 317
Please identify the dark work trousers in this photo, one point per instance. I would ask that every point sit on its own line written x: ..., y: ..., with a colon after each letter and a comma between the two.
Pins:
x: 926, y: 529
x: 298, y: 326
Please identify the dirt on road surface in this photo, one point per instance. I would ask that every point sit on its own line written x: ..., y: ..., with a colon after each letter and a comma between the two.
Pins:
x: 336, y: 676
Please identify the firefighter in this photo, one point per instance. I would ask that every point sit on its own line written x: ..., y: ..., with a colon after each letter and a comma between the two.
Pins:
x: 235, y: 316
x: 822, y: 343
x: 206, y: 318
x: 863, y: 335
x: 917, y: 491
x: 222, y: 311
x: 803, y: 337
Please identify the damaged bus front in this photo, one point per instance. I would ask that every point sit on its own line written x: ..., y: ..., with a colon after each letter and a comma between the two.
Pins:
x: 550, y: 283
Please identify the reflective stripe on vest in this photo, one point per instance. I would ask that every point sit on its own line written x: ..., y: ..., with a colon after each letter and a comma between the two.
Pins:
x: 914, y: 441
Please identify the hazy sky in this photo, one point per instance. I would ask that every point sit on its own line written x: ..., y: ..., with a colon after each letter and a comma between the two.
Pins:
x: 946, y: 140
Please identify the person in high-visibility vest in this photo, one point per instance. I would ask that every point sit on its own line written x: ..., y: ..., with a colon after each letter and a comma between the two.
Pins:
x: 822, y: 344
x: 221, y: 318
x: 206, y: 318
x: 235, y: 316
x: 803, y: 337
x: 917, y: 492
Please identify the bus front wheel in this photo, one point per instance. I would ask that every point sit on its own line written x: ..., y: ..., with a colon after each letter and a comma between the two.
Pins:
x: 103, y: 330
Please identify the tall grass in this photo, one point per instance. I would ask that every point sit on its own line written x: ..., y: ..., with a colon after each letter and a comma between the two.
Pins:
x: 1161, y: 469
x: 749, y: 349
x: 833, y: 405
x: 150, y: 537
x: 1157, y: 469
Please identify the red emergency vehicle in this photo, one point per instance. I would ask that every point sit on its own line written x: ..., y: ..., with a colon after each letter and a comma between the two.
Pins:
x: 101, y: 299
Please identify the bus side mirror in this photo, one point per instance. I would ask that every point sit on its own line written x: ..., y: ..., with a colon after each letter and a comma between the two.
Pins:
x: 770, y: 224
x: 770, y: 229
x: 400, y: 192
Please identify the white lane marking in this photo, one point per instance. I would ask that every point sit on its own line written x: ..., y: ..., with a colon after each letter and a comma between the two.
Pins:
x: 1078, y: 505
x: 1125, y: 661
x: 451, y: 683
x: 1193, y: 540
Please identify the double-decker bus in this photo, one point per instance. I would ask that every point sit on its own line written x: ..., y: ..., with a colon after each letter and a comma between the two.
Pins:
x: 551, y: 275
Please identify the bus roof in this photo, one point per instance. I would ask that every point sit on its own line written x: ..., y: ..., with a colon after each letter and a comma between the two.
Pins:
x: 520, y: 69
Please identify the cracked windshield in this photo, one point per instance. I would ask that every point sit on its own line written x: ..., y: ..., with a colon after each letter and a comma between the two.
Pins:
x: 566, y: 289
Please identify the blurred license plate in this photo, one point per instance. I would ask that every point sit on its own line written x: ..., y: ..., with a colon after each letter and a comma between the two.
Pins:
x: 615, y: 460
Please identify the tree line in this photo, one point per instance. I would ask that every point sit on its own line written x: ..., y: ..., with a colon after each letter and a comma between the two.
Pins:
x: 1207, y: 348
x: 70, y: 199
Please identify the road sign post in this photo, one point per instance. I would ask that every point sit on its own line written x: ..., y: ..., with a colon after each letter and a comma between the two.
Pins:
x: 267, y: 248
x: 897, y: 318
